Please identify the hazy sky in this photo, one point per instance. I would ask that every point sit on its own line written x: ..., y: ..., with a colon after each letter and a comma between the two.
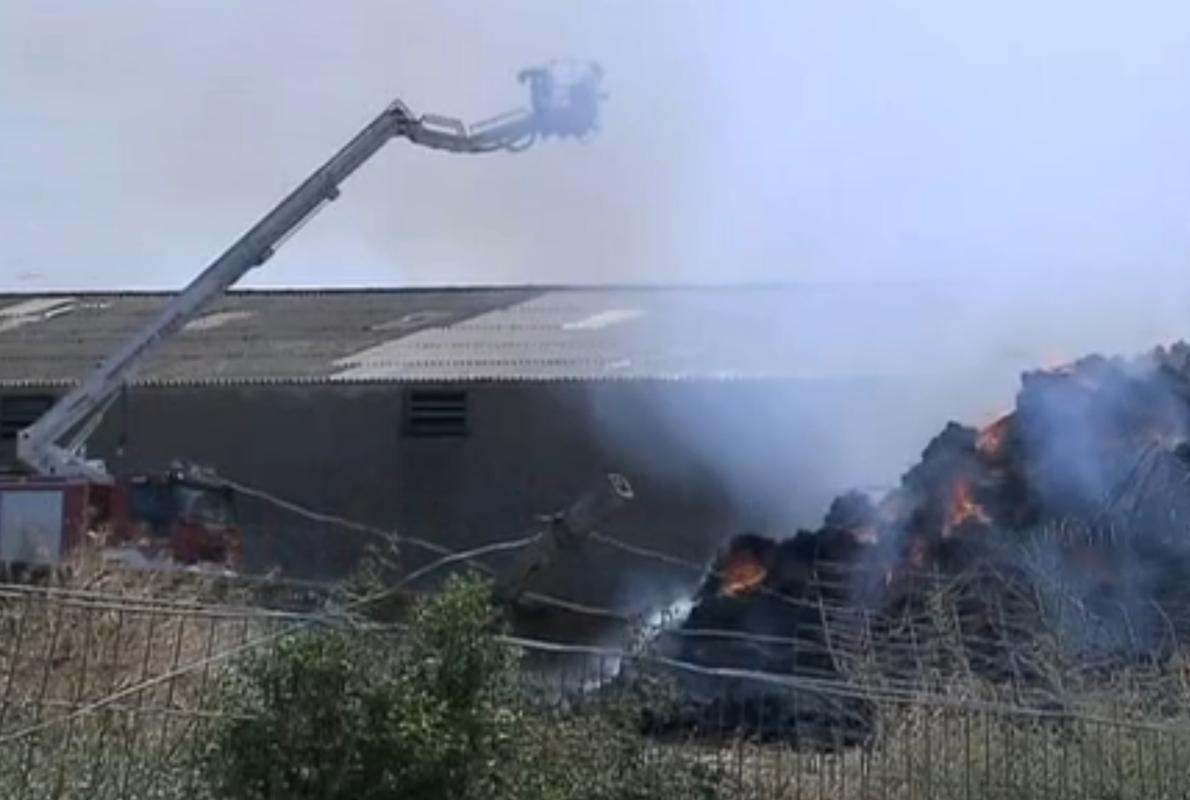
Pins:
x: 1027, y: 162
x: 743, y: 140
x: 1033, y: 159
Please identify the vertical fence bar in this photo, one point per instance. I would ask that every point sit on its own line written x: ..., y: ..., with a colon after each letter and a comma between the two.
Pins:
x: 197, y: 724
x: 967, y: 755
x: 780, y: 781
x: 798, y: 743
x: 819, y: 772
x: 987, y: 746
x: 563, y: 677
x: 166, y: 752
x: 883, y: 745
x: 174, y: 663
x: 865, y: 765
x: 35, y: 738
x: 907, y: 746
x: 243, y: 640
x: 1005, y: 721
x: 757, y: 772
x: 1083, y: 772
x: 1100, y: 763
x: 1043, y: 735
x: 721, y: 725
x: 130, y: 740
x: 1158, y: 759
x: 106, y: 716
x: 76, y: 701
x: 738, y: 745
x: 945, y: 757
x: 1064, y: 763
x: 1180, y: 786
x: 1118, y: 726
x: 843, y: 753
x: 927, y: 755
x: 1140, y: 761
x: 14, y: 658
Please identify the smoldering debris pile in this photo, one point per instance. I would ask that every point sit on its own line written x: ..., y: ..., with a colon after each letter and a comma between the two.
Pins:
x: 1065, y: 524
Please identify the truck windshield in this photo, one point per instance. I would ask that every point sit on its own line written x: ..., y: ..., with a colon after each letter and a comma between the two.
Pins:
x: 201, y: 504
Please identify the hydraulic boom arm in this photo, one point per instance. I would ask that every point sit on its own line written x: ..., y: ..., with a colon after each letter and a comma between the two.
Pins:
x: 564, y: 102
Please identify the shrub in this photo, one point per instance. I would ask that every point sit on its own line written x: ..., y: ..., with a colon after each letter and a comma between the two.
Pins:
x: 329, y: 714
x: 593, y: 757
x: 332, y: 714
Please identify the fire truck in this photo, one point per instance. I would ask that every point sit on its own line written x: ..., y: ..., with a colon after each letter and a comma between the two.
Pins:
x: 186, y: 515
x: 180, y: 516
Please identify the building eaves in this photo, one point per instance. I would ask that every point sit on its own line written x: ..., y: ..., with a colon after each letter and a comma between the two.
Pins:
x: 448, y: 334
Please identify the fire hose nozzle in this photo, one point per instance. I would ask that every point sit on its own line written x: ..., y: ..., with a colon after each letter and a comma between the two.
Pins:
x: 575, y: 524
x: 568, y: 530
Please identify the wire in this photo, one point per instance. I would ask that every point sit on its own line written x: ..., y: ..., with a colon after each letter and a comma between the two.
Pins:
x: 454, y: 558
x: 836, y: 684
x: 259, y: 641
x: 332, y: 519
x: 702, y: 569
x: 581, y: 608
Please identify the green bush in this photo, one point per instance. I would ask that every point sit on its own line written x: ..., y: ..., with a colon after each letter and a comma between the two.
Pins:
x: 593, y: 757
x: 331, y: 714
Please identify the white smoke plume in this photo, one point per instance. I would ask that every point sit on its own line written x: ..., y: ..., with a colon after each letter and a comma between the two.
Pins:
x: 1026, y: 161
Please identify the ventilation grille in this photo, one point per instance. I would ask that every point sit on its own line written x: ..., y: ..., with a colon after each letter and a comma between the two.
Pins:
x: 20, y: 411
x: 436, y: 414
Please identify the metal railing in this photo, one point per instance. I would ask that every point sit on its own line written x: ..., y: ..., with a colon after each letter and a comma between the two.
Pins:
x: 109, y: 692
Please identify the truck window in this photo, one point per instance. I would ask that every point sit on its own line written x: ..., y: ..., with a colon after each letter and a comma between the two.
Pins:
x: 201, y: 504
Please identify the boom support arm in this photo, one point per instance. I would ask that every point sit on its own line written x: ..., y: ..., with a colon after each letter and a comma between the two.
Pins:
x: 562, y: 105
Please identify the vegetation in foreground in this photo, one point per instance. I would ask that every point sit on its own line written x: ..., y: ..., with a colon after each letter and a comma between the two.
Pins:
x: 331, y: 714
x: 443, y: 710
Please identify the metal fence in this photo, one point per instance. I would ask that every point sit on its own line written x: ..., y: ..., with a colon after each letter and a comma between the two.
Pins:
x: 956, y: 751
x: 102, y: 694
x: 105, y: 692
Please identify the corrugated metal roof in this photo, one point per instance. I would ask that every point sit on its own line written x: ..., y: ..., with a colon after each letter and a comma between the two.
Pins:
x: 471, y: 334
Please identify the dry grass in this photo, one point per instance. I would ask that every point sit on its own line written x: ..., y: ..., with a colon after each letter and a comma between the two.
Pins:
x: 947, y: 733
x: 132, y: 645
x: 956, y: 753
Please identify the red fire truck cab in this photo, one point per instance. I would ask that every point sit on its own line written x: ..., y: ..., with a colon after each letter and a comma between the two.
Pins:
x: 176, y: 517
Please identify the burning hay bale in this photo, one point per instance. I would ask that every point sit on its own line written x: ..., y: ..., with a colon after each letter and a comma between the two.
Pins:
x: 760, y: 610
x: 1053, y: 541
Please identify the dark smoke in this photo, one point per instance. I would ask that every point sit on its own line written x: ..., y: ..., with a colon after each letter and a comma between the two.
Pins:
x: 1068, y: 518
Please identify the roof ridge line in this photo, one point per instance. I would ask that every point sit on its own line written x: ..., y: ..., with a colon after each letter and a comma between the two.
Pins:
x: 462, y: 288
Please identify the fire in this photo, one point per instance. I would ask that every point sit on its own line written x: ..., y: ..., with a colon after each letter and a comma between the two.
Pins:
x: 962, y: 509
x: 741, y: 574
x: 990, y: 441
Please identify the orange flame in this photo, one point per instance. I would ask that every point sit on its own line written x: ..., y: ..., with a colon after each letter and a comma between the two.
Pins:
x: 963, y: 509
x: 742, y: 574
x: 990, y: 441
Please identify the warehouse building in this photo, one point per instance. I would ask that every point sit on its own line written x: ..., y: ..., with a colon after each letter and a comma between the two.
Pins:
x: 461, y: 415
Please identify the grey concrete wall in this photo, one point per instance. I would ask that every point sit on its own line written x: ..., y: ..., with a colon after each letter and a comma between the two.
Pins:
x: 707, y: 459
x: 529, y: 450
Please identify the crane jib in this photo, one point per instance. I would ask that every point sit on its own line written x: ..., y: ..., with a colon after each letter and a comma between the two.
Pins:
x: 564, y: 102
